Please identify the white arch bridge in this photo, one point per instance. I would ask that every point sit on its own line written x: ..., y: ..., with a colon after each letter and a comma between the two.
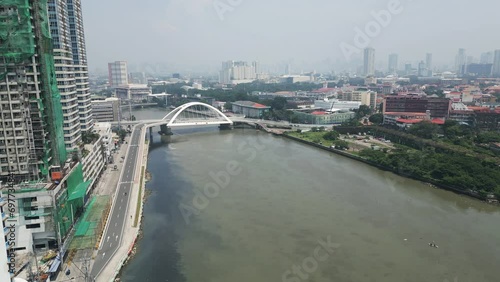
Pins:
x: 192, y: 114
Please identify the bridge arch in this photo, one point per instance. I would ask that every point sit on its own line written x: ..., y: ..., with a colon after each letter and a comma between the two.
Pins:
x: 211, y: 115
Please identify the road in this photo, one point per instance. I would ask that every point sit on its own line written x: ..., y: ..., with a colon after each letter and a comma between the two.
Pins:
x: 116, y: 222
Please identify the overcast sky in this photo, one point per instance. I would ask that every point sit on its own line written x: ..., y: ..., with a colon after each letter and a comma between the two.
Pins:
x: 186, y: 34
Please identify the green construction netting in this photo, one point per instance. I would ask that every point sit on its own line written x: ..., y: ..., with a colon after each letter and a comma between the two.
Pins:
x: 71, y: 201
x: 52, y: 97
x: 80, y: 191
x: 17, y: 46
x: 16, y: 33
x: 91, y: 224
x: 84, y: 225
x: 75, y: 178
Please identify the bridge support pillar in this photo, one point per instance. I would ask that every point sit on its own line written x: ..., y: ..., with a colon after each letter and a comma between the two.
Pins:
x: 151, y: 134
x: 165, y: 130
x: 225, y: 126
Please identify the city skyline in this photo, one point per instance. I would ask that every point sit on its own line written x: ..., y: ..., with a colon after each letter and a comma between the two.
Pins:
x: 239, y: 37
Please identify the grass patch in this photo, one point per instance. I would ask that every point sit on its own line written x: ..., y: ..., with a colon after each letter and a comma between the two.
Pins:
x: 315, y: 137
x: 139, y: 199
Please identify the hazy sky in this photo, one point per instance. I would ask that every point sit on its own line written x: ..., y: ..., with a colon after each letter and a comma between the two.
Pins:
x: 185, y: 34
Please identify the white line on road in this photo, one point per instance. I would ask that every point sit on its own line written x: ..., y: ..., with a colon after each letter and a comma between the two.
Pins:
x: 116, y: 238
x: 110, y: 245
x: 107, y: 239
x: 120, y: 208
x: 103, y: 254
x: 116, y: 223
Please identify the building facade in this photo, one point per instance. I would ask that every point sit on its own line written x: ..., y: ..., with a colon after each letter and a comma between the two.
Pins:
x: 369, y: 62
x: 133, y: 92
x: 438, y: 107
x: 336, y: 105
x: 80, y: 66
x: 393, y: 63
x: 65, y: 72
x: 31, y: 122
x: 107, y: 110
x: 250, y: 109
x: 118, y: 73
x: 237, y: 71
x: 323, y: 117
x: 496, y: 64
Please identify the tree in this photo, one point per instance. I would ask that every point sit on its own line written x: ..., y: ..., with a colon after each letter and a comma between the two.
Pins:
x: 377, y: 118
x: 133, y: 118
x: 278, y: 103
x: 331, y: 135
x: 341, y: 144
x: 314, y: 129
x: 363, y: 110
x: 424, y: 129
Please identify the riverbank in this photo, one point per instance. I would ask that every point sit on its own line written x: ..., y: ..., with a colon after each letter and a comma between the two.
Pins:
x: 430, y: 182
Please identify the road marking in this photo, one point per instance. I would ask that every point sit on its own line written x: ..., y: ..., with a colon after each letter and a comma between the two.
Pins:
x: 122, y: 200
x: 116, y: 238
x: 103, y: 254
x: 116, y: 223
x: 110, y: 245
x: 120, y: 207
x: 107, y: 239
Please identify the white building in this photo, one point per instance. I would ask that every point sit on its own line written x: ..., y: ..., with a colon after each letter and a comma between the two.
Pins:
x: 369, y: 62
x: 335, y: 105
x: 107, y: 110
x: 134, y: 92
x: 237, y: 71
x: 296, y: 78
x: 94, y: 160
x: 118, y: 73
x: 104, y: 130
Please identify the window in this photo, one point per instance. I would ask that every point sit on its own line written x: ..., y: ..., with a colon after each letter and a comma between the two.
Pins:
x: 33, y: 226
x: 31, y: 217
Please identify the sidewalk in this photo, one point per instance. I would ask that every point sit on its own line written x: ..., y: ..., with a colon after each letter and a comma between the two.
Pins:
x: 130, y: 234
x: 107, y: 185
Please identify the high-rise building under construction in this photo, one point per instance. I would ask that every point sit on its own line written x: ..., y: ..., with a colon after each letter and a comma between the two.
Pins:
x: 44, y: 95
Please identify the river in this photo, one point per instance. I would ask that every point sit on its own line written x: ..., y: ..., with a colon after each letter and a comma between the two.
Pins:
x: 243, y: 205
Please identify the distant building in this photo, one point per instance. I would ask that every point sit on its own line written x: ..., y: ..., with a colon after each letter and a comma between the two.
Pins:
x: 107, y: 110
x: 393, y: 63
x: 437, y: 107
x: 138, y: 78
x: 320, y: 116
x: 295, y: 78
x: 237, y: 71
x: 496, y: 64
x: 428, y: 62
x: 250, y: 109
x: 460, y: 60
x: 363, y: 95
x: 118, y: 73
x: 369, y: 62
x: 460, y: 113
x: 336, y: 105
x: 176, y: 75
x: 134, y: 92
x: 478, y: 70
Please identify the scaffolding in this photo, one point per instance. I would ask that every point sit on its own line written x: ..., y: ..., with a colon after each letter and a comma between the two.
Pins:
x: 18, y: 42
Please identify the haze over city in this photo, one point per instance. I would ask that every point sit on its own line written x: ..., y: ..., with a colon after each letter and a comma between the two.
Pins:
x: 199, y: 34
